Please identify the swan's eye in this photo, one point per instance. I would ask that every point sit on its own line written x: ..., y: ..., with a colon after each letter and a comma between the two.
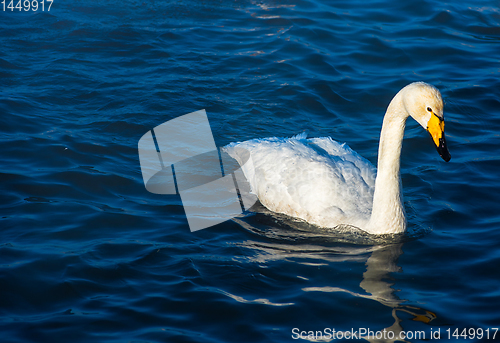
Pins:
x: 429, y: 109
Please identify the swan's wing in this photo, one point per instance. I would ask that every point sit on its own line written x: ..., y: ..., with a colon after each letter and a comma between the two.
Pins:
x: 364, y: 167
x: 318, y: 180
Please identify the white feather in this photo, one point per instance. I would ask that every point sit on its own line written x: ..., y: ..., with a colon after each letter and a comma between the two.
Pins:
x: 318, y: 180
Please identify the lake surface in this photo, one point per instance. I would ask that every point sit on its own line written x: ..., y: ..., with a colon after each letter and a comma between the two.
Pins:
x: 87, y: 254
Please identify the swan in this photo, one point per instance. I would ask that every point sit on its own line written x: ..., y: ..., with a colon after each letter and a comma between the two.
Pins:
x: 328, y: 184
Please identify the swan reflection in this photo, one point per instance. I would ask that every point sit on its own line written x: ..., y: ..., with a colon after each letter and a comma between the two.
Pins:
x: 380, y: 263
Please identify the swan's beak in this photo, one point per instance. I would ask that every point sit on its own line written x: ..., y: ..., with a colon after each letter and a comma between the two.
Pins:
x: 435, y: 127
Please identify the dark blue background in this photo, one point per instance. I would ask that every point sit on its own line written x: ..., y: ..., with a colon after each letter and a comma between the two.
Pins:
x: 88, y: 255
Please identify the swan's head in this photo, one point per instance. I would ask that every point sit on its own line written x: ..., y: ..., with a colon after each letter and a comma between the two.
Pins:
x: 424, y: 103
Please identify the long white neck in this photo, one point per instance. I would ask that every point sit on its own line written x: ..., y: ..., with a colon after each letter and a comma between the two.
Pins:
x: 388, y: 213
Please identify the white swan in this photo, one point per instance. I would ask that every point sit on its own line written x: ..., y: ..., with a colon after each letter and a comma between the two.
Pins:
x: 328, y: 184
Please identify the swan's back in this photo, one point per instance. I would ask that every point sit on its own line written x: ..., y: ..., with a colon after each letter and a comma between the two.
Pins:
x: 317, y: 180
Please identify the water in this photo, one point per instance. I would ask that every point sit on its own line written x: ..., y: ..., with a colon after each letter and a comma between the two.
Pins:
x: 88, y: 255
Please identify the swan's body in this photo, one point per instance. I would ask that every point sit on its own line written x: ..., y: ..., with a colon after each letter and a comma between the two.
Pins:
x: 328, y: 184
x: 318, y: 180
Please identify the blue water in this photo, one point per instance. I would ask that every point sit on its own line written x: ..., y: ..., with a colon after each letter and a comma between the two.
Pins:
x: 88, y: 255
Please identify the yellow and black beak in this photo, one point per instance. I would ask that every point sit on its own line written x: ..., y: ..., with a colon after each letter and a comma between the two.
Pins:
x: 436, y: 129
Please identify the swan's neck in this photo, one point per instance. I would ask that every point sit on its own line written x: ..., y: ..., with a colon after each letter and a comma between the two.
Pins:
x: 388, y: 213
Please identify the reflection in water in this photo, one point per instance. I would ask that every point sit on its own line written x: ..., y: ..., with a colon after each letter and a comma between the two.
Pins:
x: 382, y: 261
x: 379, y: 265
